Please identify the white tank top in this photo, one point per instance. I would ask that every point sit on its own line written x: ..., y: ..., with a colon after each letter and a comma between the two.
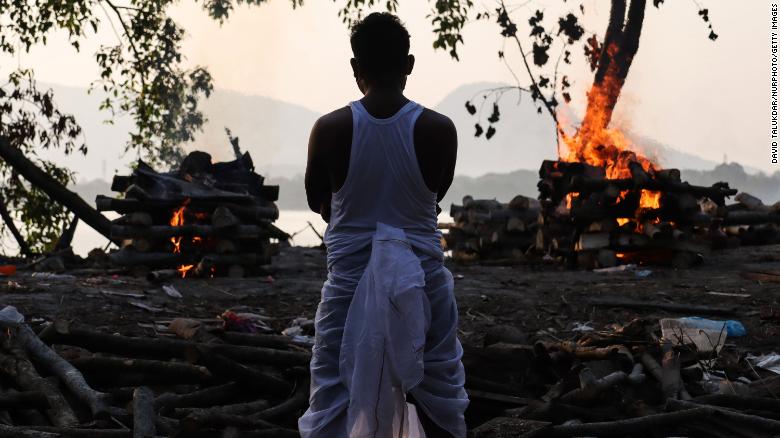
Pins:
x: 384, y: 182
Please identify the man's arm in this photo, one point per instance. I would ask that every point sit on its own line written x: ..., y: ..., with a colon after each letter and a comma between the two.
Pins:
x: 317, y: 181
x: 329, y: 146
x: 436, y: 146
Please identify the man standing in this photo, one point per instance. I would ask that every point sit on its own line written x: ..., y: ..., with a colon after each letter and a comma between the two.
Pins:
x: 386, y: 357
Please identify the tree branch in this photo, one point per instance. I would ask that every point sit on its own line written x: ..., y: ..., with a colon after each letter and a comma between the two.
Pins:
x: 541, y: 97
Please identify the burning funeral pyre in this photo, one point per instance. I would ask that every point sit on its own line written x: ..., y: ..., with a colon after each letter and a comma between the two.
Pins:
x: 203, y: 219
x: 603, y: 203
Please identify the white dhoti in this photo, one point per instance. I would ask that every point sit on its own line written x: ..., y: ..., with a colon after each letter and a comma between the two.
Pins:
x: 386, y: 327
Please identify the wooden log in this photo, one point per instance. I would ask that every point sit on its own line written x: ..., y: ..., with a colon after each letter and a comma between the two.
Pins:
x: 717, y: 192
x: 248, y: 408
x: 591, y: 241
x: 751, y: 217
x: 515, y: 224
x: 225, y: 246
x: 740, y: 402
x: 482, y: 204
x: 651, y: 366
x: 24, y: 432
x: 591, y: 387
x: 22, y: 372
x: 521, y: 202
x: 139, y: 218
x: 671, y: 382
x: 252, y: 213
x: 97, y: 402
x: 120, y: 183
x: 32, y: 417
x: 66, y: 238
x: 23, y: 400
x: 117, y: 365
x: 206, y: 397
x: 165, y: 231
x: 669, y: 175
x: 224, y: 218
x: 60, y: 332
x: 220, y: 365
x: 298, y: 401
x: 751, y: 202
x: 689, y: 309
x: 14, y: 157
x: 143, y: 413
x: 752, y: 420
x: 140, y: 244
x: 197, y: 421
x: 622, y: 428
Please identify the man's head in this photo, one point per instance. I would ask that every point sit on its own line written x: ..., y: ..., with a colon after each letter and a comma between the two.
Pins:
x: 380, y: 45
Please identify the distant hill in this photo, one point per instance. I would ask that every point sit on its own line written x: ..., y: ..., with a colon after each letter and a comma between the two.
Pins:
x: 276, y: 133
x: 524, y: 138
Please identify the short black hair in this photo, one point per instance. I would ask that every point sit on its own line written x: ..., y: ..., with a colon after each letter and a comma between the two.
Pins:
x: 380, y: 43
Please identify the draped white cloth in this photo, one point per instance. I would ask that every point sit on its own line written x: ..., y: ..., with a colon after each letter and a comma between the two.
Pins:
x: 386, y: 326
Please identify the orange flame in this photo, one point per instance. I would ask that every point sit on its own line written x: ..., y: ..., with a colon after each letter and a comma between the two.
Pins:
x: 597, y: 145
x: 184, y: 269
x: 177, y: 220
x: 650, y: 199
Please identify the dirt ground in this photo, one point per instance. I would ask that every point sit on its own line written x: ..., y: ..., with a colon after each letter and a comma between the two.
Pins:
x: 544, y: 301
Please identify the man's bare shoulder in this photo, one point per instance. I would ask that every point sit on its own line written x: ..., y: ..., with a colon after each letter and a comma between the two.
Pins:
x: 435, y: 122
x: 334, y: 122
x: 435, y: 131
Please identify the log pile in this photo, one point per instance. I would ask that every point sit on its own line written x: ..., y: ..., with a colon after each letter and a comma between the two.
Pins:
x: 488, y: 229
x: 624, y: 381
x: 592, y: 221
x: 70, y: 381
x: 203, y: 219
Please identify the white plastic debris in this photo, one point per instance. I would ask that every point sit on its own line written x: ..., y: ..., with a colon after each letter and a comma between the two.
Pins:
x: 171, y: 291
x: 52, y: 276
x: 582, y: 327
x: 292, y: 331
x: 680, y: 331
x: 769, y: 362
x: 619, y: 268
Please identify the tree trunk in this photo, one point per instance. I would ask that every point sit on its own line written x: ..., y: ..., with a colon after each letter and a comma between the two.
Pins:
x: 621, y: 42
x: 24, y: 248
x: 56, y: 191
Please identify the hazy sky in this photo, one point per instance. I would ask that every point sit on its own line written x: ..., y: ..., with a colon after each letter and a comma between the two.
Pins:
x: 706, y: 98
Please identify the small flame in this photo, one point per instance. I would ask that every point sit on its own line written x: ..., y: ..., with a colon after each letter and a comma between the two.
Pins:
x: 184, y: 269
x: 623, y: 220
x: 177, y: 220
x: 569, y: 198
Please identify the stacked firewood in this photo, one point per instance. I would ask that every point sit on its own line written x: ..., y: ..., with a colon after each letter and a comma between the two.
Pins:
x: 750, y: 222
x: 203, y: 219
x: 647, y: 216
x: 71, y: 381
x: 488, y: 229
x: 624, y: 381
